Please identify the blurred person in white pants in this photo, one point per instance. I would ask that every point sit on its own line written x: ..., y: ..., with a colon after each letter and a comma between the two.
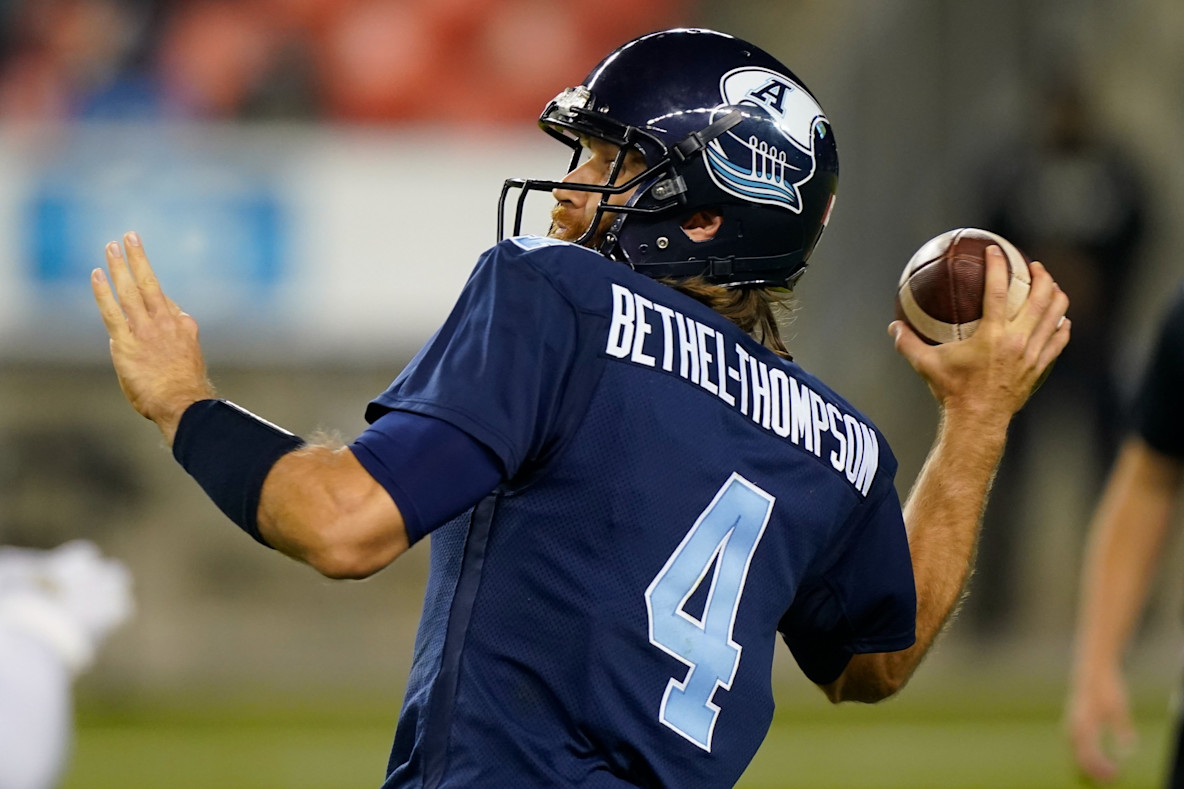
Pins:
x: 56, y: 607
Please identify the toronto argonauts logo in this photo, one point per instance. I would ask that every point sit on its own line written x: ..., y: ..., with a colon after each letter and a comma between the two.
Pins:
x: 754, y: 162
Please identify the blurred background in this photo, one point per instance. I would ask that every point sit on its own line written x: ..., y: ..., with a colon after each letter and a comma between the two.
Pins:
x: 314, y: 179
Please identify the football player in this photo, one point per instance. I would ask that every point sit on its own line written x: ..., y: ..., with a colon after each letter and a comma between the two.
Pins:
x: 631, y: 488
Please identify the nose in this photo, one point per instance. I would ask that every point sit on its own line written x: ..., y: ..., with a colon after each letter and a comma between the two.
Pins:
x: 576, y: 197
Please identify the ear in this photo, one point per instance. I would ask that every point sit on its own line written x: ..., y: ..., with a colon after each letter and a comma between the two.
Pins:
x: 703, y: 225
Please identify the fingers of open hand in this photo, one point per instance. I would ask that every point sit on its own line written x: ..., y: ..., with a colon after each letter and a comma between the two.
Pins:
x: 132, y: 304
x: 125, y: 284
x: 135, y: 283
x: 109, y: 309
x: 148, y: 285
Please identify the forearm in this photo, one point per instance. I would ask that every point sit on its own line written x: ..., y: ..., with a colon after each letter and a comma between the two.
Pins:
x: 1125, y: 541
x: 319, y: 506
x: 315, y: 504
x: 942, y: 517
x: 979, y: 384
x: 312, y: 502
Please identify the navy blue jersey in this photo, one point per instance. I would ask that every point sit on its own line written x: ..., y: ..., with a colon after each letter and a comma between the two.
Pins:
x: 1157, y: 412
x: 674, y: 497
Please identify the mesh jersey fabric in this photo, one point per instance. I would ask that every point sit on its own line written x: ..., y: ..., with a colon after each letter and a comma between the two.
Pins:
x: 608, y: 616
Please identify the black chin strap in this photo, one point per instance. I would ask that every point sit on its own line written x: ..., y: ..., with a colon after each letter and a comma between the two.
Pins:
x: 697, y: 141
x: 729, y: 271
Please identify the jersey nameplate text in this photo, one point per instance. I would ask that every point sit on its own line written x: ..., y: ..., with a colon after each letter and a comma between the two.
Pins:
x: 653, y: 335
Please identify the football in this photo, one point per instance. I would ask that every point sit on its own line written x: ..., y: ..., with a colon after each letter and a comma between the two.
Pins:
x: 940, y: 294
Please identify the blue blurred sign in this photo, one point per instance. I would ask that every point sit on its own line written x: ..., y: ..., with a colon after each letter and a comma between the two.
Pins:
x: 215, y: 228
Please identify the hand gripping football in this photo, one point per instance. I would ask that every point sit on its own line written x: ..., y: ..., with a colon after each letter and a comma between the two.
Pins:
x: 940, y: 294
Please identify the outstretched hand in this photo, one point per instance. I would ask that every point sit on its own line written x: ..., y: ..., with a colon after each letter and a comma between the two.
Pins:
x: 154, y: 345
x: 994, y: 371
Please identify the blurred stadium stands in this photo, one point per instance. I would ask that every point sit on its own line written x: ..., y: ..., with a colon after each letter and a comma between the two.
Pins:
x: 314, y: 179
x: 468, y: 62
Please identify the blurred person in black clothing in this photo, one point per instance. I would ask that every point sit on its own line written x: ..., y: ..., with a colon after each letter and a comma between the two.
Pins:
x: 1074, y: 200
x: 1124, y: 551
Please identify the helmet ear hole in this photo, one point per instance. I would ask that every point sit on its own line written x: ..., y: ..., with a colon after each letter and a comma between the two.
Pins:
x: 703, y: 225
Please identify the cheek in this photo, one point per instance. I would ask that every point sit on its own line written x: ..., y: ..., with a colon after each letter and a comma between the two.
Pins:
x: 622, y: 198
x: 587, y: 173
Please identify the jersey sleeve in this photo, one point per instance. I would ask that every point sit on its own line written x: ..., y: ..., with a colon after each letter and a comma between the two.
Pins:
x: 498, y: 368
x: 864, y: 601
x: 431, y: 470
x: 1158, y: 418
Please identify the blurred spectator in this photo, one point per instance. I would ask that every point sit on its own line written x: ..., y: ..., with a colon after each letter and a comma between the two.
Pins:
x: 380, y: 60
x: 1075, y: 201
x: 457, y: 61
x: 221, y: 59
x: 61, y: 56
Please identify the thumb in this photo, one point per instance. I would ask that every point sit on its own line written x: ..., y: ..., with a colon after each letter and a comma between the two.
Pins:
x: 906, y: 341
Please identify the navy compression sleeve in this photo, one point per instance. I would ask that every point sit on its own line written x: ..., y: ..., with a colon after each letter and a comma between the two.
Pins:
x: 432, y: 470
x: 230, y: 452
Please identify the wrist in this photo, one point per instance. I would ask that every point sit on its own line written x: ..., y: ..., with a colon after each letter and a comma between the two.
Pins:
x: 1091, y: 670
x: 986, y: 421
x: 230, y: 452
x: 969, y: 440
x: 1095, y: 681
x: 170, y: 419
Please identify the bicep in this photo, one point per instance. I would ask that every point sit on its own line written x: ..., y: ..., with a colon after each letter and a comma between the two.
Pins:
x: 1132, y: 518
x: 1141, y: 491
x: 1156, y: 473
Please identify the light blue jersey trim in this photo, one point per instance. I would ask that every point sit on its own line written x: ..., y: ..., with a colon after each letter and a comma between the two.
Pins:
x: 537, y: 242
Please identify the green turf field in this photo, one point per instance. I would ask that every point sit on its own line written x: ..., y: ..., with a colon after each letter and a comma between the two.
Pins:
x: 946, y: 738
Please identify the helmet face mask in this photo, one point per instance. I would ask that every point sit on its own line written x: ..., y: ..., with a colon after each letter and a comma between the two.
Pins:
x: 643, y: 182
x: 569, y: 118
x: 722, y: 126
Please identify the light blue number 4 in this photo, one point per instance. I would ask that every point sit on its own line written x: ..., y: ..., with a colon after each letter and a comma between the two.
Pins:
x: 724, y: 536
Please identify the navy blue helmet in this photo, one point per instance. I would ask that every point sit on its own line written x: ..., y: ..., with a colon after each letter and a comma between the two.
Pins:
x: 722, y: 125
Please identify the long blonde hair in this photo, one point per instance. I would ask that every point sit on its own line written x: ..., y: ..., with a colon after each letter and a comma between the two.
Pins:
x: 755, y: 310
